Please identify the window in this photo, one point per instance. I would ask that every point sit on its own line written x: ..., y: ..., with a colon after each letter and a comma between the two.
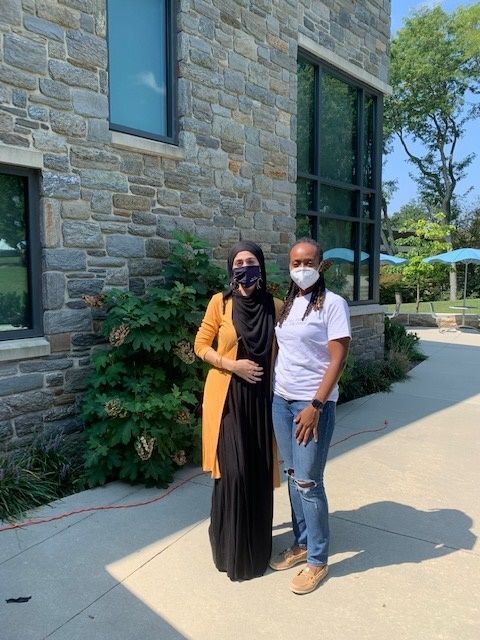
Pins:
x: 141, y: 45
x: 20, y: 291
x: 338, y: 184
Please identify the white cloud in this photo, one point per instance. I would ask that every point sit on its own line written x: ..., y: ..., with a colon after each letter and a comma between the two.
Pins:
x: 147, y: 79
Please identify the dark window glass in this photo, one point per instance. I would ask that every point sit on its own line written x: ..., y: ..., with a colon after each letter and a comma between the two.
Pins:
x: 14, y: 288
x: 138, y: 67
x: 368, y: 205
x: 305, y: 194
x: 338, y: 129
x: 338, y: 173
x: 305, y: 227
x: 305, y: 117
x: 366, y: 263
x: 337, y: 238
x: 338, y: 202
x: 368, y: 140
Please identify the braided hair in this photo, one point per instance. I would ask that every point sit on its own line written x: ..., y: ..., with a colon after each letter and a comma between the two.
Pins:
x: 318, y: 290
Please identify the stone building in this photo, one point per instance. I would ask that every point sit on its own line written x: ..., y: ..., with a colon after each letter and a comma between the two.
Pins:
x: 122, y: 121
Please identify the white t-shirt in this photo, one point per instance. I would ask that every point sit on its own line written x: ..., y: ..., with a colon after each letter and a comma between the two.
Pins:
x: 303, y: 355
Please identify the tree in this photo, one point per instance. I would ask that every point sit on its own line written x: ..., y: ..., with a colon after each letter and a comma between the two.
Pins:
x: 435, y: 69
x: 467, y: 234
x: 411, y: 212
x: 425, y: 238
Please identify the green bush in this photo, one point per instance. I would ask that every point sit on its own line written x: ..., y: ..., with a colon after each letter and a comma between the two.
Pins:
x: 399, y: 340
x: 142, y: 405
x: 390, y: 282
x: 363, y: 377
x: 47, y: 470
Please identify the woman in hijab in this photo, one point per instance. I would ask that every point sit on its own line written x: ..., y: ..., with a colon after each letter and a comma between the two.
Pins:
x: 237, y: 434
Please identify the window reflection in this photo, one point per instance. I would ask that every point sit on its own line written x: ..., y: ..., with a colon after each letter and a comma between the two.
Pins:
x: 305, y: 227
x: 137, y: 43
x: 366, y: 266
x: 338, y: 129
x: 336, y: 198
x: 339, y: 202
x: 14, y: 306
x: 337, y: 237
x: 305, y: 195
x: 305, y: 117
x: 368, y: 140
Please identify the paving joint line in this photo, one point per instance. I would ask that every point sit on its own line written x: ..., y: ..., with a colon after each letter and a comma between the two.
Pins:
x: 59, y: 531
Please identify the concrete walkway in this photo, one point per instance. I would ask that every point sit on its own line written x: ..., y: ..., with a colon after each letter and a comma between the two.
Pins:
x: 404, y: 559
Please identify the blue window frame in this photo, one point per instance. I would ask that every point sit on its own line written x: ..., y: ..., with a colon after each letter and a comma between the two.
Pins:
x: 141, y: 48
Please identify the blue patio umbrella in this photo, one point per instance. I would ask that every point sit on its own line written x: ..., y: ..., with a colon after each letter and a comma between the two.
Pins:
x: 393, y: 260
x: 343, y: 254
x: 467, y: 256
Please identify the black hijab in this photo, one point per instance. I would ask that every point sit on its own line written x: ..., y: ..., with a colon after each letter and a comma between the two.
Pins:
x: 254, y: 315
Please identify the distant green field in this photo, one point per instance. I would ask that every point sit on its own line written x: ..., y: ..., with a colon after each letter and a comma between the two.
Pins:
x: 441, y: 306
x: 12, y: 278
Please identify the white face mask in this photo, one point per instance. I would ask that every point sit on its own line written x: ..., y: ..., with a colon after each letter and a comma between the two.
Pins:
x: 304, y: 277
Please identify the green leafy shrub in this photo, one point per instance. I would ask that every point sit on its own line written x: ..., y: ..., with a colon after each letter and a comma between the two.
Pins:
x: 401, y: 341
x: 142, y: 405
x: 49, y: 469
x: 391, y: 282
x: 363, y: 377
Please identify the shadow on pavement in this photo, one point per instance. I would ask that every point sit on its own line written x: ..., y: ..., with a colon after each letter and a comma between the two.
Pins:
x: 439, y: 532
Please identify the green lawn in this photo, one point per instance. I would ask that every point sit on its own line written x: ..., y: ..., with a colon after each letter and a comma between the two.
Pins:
x: 442, y: 306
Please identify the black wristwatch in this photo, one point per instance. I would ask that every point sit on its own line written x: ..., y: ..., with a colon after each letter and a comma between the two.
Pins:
x: 317, y: 404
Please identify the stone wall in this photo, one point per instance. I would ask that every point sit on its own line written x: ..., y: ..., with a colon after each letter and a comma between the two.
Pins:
x: 357, y: 31
x: 445, y: 321
x: 109, y: 206
x: 367, y: 334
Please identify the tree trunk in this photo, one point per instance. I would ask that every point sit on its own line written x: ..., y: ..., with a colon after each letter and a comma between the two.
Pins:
x: 418, y: 297
x: 452, y: 275
x: 398, y: 301
x: 453, y: 282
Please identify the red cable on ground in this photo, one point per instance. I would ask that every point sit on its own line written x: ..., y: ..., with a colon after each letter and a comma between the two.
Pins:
x: 360, y: 432
x: 108, y: 507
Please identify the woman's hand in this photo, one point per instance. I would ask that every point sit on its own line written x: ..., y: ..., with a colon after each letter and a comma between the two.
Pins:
x: 248, y: 370
x: 307, y: 424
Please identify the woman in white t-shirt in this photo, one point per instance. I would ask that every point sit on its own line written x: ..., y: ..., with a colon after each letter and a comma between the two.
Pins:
x: 313, y: 335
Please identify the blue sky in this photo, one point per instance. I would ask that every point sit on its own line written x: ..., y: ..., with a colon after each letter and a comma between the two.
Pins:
x: 396, y: 165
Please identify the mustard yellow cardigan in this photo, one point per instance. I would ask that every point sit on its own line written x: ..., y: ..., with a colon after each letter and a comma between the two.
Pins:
x: 218, y: 324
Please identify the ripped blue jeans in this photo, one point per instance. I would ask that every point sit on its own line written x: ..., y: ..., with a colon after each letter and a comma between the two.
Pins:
x: 304, y: 466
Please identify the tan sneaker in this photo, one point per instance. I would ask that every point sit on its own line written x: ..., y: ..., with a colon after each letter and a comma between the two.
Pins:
x: 287, y: 559
x: 308, y: 579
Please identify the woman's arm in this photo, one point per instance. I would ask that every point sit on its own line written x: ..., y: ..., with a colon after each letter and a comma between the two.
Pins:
x: 307, y: 419
x: 206, y: 334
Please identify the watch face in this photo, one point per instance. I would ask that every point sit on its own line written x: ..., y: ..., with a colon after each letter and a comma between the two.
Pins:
x: 318, y: 404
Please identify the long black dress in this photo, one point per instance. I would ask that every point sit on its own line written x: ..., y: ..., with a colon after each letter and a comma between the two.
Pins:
x: 242, y: 502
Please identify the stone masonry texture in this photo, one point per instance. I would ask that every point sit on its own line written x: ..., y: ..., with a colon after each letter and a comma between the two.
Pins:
x: 108, y: 213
